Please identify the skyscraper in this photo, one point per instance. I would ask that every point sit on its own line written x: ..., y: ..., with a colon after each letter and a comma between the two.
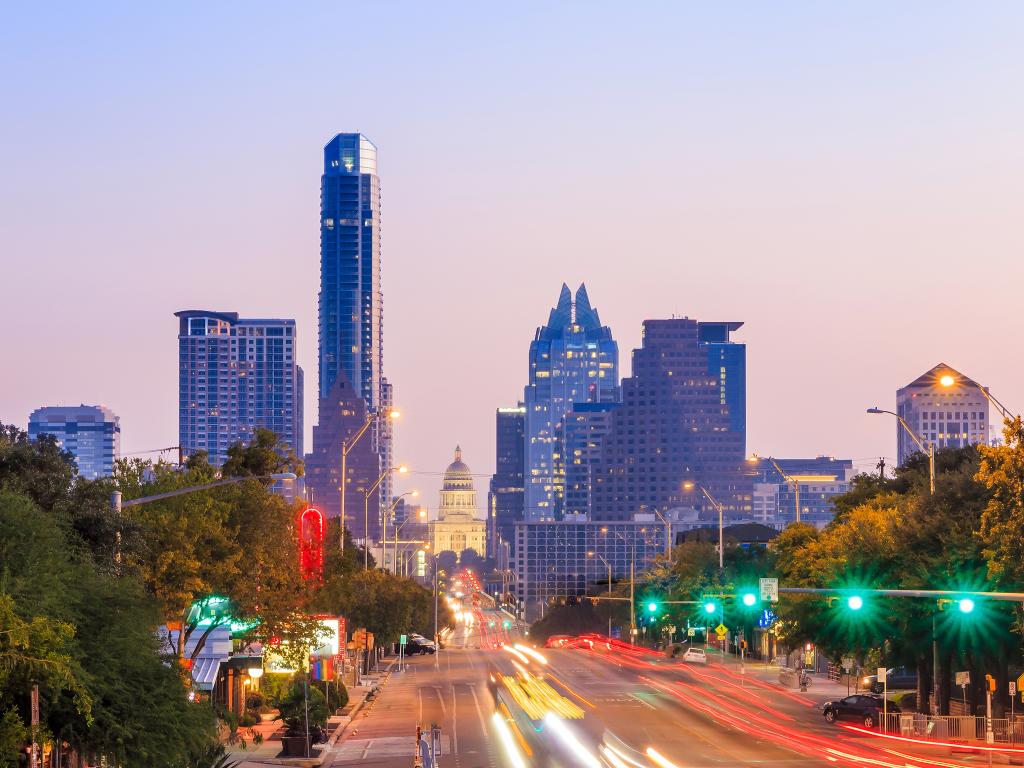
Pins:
x: 505, y: 500
x: 92, y: 433
x: 573, y: 359
x: 234, y: 375
x: 945, y: 408
x: 351, y: 304
x: 675, y: 424
x: 581, y: 433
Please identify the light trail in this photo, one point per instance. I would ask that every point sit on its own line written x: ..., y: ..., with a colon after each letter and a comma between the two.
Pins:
x: 531, y: 653
x: 664, y: 762
x: 521, y: 656
x: 508, y: 743
x: 923, y: 743
x: 560, y: 729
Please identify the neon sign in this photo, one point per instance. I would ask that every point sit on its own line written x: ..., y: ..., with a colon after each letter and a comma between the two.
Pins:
x: 311, y: 543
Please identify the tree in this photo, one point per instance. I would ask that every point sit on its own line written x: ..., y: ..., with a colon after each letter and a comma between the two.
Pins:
x: 39, y: 469
x: 1002, y: 472
x: 264, y: 455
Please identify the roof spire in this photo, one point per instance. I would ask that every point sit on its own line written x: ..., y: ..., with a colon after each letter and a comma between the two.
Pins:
x: 458, y: 453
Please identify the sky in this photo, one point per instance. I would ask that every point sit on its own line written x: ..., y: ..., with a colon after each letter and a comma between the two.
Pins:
x: 846, y: 179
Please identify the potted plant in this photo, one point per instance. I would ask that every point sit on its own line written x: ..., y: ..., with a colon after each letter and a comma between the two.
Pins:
x: 304, y: 711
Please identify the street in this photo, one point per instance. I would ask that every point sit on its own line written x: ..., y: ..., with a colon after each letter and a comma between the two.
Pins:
x: 637, y: 709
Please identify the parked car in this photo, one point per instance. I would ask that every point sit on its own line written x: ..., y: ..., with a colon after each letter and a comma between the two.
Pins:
x: 419, y: 646
x: 867, y: 709
x: 897, y: 678
x: 695, y: 656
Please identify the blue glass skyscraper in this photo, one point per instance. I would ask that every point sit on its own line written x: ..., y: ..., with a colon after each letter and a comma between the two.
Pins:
x: 92, y: 433
x: 573, y: 359
x: 351, y: 302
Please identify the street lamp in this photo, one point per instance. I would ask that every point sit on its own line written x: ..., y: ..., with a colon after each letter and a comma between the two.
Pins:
x: 346, y: 446
x: 422, y: 517
x: 632, y: 577
x: 366, y: 511
x: 689, y: 485
x: 668, y: 535
x: 597, y: 554
x: 384, y: 527
x: 797, y: 479
x: 948, y: 380
x: 117, y: 505
x: 929, y: 450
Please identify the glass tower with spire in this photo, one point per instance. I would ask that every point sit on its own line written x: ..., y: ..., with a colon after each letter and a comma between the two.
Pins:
x: 573, y: 359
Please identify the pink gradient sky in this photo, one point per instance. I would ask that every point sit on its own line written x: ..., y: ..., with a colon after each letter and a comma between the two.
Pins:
x: 845, y: 179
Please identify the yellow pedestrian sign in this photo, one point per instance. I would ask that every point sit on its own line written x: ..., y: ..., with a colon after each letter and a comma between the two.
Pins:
x: 721, y: 630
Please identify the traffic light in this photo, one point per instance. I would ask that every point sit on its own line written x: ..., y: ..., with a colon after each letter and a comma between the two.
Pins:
x: 855, y: 602
x: 710, y: 607
x: 652, y: 607
x: 990, y: 683
x: 506, y: 623
x: 749, y: 599
x: 965, y: 604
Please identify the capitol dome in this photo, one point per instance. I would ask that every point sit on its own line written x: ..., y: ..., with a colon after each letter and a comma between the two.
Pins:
x: 457, y: 476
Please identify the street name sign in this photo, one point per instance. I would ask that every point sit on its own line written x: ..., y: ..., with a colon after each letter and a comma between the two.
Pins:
x: 770, y: 590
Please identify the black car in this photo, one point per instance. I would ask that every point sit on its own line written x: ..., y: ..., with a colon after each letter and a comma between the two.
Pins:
x: 867, y: 709
x: 415, y: 646
x: 896, y: 679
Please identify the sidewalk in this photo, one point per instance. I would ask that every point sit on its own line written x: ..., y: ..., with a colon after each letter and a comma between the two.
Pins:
x: 254, y: 755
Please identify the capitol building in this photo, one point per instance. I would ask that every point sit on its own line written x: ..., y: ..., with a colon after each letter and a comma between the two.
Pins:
x: 458, y: 526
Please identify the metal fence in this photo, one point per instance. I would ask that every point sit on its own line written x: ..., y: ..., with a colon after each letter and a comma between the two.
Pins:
x: 954, y: 728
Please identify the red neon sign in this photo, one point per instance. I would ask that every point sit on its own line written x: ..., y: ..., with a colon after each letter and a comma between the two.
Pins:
x: 311, y: 543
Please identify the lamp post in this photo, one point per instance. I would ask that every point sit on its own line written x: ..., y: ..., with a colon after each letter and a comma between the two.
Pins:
x: 384, y: 527
x: 689, y: 485
x: 796, y: 480
x: 366, y: 511
x: 346, y: 446
x: 929, y: 450
x: 632, y: 579
x: 668, y: 535
x: 596, y: 554
x: 117, y: 505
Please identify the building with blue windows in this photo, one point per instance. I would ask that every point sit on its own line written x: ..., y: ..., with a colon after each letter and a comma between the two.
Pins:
x: 581, y: 433
x: 92, y: 433
x: 505, y: 497
x: 234, y: 375
x: 573, y: 359
x: 351, y: 304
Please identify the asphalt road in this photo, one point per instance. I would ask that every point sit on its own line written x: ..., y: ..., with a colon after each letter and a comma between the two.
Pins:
x: 692, y: 716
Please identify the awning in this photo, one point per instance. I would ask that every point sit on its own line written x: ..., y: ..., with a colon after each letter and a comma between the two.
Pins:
x: 204, y: 672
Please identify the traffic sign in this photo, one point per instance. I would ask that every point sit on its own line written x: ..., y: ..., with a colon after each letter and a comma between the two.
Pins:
x: 848, y: 663
x: 690, y: 631
x: 403, y: 640
x: 964, y: 678
x: 1013, y: 688
x: 1020, y: 683
x: 770, y: 590
x: 721, y: 630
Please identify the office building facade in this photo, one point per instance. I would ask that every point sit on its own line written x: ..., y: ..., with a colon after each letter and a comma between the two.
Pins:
x: 573, y: 359
x: 552, y: 561
x: 92, y: 433
x: 235, y: 375
x: 676, y: 424
x: 945, y: 408
x: 505, y: 497
x: 581, y: 433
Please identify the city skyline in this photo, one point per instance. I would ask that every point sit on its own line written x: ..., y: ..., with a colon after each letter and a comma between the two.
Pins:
x: 834, y: 276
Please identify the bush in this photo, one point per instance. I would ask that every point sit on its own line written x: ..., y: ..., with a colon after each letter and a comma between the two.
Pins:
x: 254, y: 701
x: 296, y: 703
x: 274, y: 686
x: 907, y: 702
x: 337, y: 694
x: 249, y: 718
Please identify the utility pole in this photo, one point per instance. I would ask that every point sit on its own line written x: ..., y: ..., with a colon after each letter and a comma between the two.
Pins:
x: 880, y: 466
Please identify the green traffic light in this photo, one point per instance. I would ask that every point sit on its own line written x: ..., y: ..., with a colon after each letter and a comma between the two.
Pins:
x: 855, y: 602
x: 652, y: 607
x: 965, y: 604
x: 709, y: 607
x: 749, y: 599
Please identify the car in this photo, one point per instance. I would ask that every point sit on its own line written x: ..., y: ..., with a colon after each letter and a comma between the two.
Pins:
x: 558, y: 641
x: 695, y: 656
x: 897, y: 678
x: 867, y: 709
x: 419, y: 646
